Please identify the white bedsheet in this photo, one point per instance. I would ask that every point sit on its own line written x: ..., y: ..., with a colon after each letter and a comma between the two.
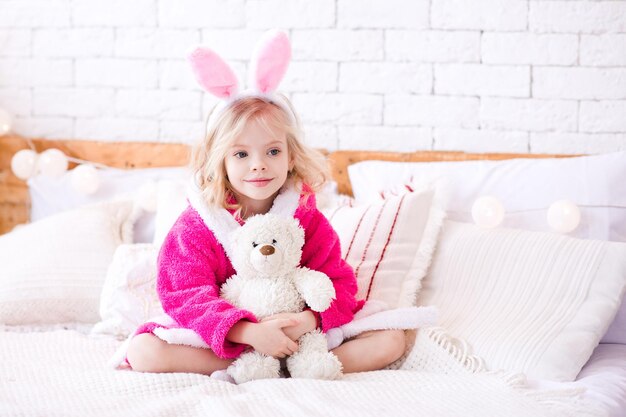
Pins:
x: 603, y: 377
x: 63, y: 373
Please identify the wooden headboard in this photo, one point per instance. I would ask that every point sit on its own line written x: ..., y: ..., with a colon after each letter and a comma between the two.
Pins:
x: 15, y: 202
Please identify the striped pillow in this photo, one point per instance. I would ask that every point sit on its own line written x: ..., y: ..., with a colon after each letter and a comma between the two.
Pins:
x: 389, y: 243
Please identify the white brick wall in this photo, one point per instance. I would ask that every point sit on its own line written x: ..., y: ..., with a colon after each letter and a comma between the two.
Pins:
x: 482, y: 80
x: 579, y: 83
x: 603, y: 50
x: 528, y: 114
x: 435, y: 111
x: 530, y: 48
x: 480, y: 76
x: 73, y: 43
x: 566, y: 16
x: 497, y: 15
x: 66, y: 102
x: 15, y: 42
x: 377, y: 14
x: 116, y: 13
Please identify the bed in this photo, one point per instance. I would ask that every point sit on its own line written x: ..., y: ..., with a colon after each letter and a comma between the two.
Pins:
x: 58, y: 366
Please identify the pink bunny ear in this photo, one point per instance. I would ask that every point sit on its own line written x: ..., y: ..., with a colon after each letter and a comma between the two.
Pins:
x: 270, y: 61
x: 213, y: 73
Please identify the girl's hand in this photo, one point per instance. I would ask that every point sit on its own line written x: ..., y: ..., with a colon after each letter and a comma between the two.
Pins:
x: 270, y: 338
x: 306, y: 323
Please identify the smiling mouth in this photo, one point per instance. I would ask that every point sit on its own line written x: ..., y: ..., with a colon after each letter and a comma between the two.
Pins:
x: 260, y: 182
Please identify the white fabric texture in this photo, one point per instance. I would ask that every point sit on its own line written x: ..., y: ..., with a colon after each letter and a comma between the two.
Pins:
x: 617, y: 329
x: 53, y: 195
x: 63, y: 373
x: 52, y: 270
x: 369, y: 318
x: 526, y: 301
x: 389, y: 243
x: 129, y: 296
x: 526, y: 188
x: 603, y: 378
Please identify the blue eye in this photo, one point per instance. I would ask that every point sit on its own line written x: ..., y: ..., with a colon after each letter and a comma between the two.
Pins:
x: 274, y: 152
x: 241, y: 154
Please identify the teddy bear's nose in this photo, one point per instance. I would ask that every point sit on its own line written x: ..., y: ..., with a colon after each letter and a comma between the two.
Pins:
x: 267, y: 250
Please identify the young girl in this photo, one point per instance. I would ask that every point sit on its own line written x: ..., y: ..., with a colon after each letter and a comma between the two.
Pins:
x: 252, y: 161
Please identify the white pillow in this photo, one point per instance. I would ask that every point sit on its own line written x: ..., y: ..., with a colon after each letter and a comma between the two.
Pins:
x: 389, y: 243
x: 529, y: 302
x: 129, y: 296
x: 52, y: 195
x: 526, y: 187
x: 171, y: 202
x: 52, y: 270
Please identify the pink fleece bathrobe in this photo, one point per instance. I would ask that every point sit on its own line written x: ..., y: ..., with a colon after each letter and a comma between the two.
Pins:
x: 193, y: 263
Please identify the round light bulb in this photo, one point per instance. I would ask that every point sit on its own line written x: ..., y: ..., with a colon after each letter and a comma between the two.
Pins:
x: 24, y: 164
x: 5, y: 122
x: 488, y: 212
x: 52, y: 162
x: 147, y: 196
x: 85, y: 179
x: 563, y: 216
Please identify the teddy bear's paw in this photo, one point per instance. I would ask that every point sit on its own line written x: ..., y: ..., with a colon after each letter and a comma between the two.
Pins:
x: 254, y: 365
x: 316, y: 289
x: 314, y: 341
x: 320, y: 303
x: 315, y: 365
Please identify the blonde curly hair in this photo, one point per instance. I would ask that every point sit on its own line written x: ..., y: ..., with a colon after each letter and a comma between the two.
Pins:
x: 208, y: 156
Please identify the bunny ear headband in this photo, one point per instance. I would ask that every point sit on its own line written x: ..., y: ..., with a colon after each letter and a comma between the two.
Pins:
x: 268, y: 66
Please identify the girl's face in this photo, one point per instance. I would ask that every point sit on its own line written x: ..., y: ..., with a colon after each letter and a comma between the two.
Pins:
x: 257, y: 165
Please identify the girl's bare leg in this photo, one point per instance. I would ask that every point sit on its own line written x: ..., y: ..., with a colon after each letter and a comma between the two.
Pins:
x: 148, y: 353
x: 371, y: 351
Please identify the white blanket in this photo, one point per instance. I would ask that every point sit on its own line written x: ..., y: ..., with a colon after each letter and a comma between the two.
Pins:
x: 63, y: 373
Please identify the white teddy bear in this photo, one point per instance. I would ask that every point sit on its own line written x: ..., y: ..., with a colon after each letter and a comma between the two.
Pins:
x: 267, y: 251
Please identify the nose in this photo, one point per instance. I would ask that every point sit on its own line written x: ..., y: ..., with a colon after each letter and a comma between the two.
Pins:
x: 267, y: 250
x: 258, y: 165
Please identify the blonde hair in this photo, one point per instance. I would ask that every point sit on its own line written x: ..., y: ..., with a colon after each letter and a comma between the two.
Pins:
x: 208, y: 156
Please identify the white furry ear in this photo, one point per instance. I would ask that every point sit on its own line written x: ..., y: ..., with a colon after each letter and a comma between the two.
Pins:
x: 213, y: 73
x: 269, y: 61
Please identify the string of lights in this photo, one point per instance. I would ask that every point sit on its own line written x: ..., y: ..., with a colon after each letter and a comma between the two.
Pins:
x: 27, y: 163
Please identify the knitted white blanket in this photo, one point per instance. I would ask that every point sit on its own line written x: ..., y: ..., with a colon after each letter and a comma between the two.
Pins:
x: 63, y: 373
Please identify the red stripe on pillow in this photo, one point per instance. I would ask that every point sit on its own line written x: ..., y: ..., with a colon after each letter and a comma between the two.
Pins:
x: 369, y: 241
x: 356, y: 231
x: 330, y: 218
x: 382, y: 255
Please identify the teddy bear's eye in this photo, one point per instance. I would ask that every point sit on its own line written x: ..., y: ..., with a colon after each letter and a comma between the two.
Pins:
x: 274, y: 241
x: 254, y: 244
